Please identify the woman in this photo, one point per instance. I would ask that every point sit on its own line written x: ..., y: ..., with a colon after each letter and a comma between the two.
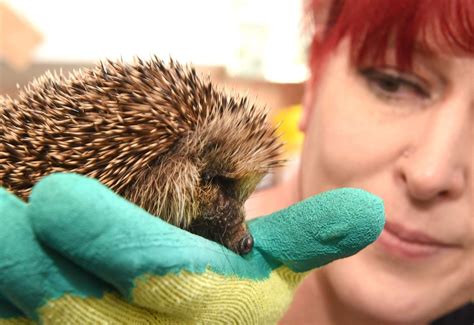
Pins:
x: 390, y: 108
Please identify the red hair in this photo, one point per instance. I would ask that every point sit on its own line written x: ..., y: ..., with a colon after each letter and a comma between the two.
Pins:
x: 436, y: 26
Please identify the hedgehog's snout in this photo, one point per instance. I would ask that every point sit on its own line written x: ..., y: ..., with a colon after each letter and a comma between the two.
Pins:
x: 245, y: 244
x: 239, y: 239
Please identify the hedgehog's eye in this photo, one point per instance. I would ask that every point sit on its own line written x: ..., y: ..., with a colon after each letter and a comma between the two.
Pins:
x: 224, y: 181
x: 206, y: 178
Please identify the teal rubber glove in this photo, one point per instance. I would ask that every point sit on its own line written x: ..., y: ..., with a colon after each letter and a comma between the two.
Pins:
x: 79, y: 253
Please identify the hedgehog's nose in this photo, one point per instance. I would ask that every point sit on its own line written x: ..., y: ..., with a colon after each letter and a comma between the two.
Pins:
x: 246, y: 244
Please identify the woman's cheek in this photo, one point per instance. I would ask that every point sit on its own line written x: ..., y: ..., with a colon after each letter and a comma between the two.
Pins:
x: 349, y: 143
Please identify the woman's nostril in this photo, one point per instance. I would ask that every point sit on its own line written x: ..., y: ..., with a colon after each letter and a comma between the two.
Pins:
x: 246, y: 244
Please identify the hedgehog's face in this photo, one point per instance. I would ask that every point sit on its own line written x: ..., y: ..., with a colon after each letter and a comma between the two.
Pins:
x: 230, y: 155
x: 221, y: 215
x: 203, y: 193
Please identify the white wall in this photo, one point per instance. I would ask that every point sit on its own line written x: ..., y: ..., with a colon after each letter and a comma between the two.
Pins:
x: 205, y: 32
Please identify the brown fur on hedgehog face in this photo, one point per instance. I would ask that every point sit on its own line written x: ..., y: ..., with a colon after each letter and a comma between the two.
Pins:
x: 154, y: 133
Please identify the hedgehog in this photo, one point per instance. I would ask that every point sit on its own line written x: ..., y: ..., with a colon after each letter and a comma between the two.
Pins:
x: 154, y: 132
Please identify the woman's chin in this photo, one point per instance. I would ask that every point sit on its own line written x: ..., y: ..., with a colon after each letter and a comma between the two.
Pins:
x: 382, y: 291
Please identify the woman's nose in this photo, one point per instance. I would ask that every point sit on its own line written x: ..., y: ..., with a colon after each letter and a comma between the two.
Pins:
x: 431, y: 180
x: 439, y: 161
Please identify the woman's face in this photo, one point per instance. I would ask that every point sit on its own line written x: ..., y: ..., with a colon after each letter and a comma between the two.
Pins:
x: 408, y: 138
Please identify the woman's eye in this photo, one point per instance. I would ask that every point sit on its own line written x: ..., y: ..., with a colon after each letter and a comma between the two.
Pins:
x: 393, y: 85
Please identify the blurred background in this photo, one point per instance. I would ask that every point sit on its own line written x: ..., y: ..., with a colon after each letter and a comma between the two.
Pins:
x: 254, y: 47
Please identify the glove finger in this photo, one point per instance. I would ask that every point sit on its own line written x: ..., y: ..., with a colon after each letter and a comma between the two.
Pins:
x: 31, y: 275
x: 320, y: 229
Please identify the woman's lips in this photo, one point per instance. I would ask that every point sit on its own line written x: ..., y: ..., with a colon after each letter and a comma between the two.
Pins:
x: 400, y: 241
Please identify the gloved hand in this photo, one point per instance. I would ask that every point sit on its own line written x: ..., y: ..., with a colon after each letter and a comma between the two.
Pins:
x: 79, y: 254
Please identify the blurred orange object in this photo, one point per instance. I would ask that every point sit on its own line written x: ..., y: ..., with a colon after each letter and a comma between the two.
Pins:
x: 18, y: 38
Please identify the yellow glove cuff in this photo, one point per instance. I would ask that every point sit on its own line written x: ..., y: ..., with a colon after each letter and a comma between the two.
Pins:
x: 199, y: 298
